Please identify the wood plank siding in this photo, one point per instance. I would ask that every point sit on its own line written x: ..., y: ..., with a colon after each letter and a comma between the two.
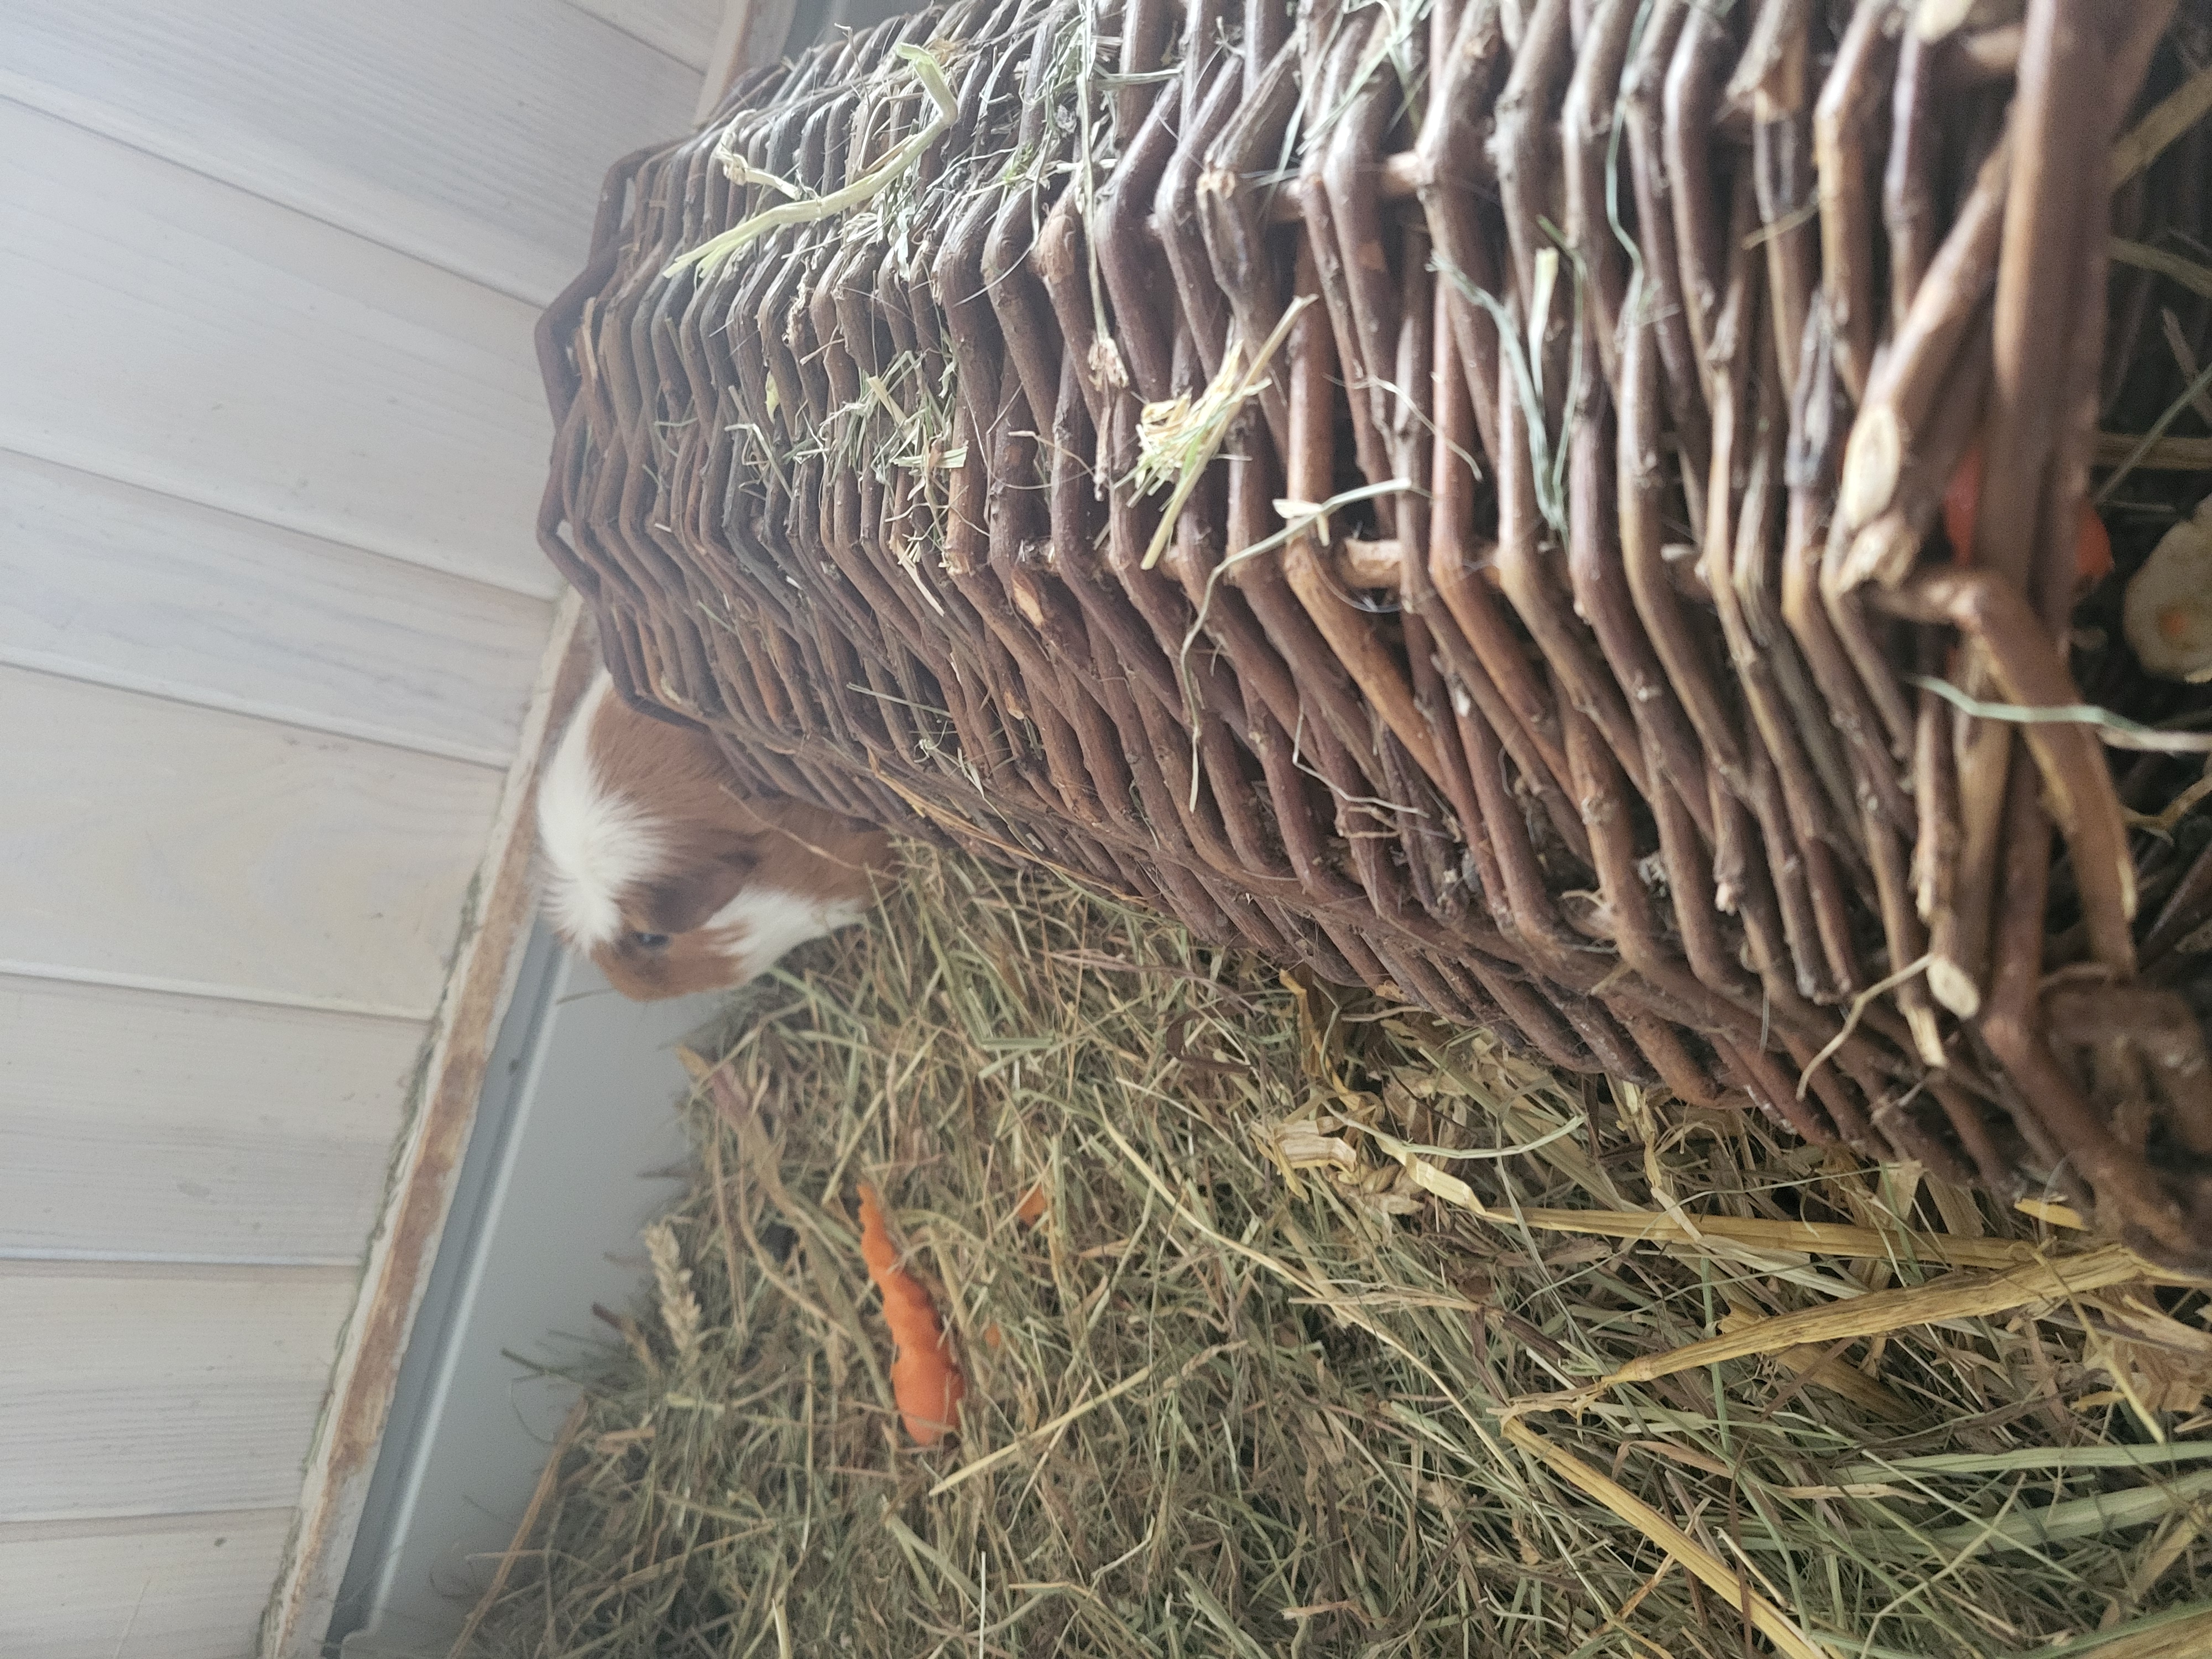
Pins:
x: 271, y: 618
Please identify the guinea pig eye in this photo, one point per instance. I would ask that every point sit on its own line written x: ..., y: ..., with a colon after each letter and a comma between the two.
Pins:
x: 649, y: 941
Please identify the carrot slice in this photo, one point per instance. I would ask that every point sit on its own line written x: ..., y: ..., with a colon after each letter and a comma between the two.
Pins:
x: 2093, y: 551
x: 1962, y: 500
x: 925, y: 1384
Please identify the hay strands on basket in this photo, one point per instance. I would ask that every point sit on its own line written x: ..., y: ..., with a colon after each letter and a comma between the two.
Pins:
x: 810, y: 209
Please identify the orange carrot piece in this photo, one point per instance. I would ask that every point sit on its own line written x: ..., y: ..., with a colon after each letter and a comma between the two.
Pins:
x: 1962, y: 500
x: 925, y: 1384
x: 1033, y: 1205
x: 2092, y: 553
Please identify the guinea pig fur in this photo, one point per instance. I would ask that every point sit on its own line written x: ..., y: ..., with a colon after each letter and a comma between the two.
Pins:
x: 669, y: 880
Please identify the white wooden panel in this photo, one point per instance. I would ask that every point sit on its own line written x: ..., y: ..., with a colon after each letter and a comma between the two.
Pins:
x: 154, y: 1391
x: 186, y: 1589
x: 112, y: 583
x: 685, y: 29
x: 138, y: 1124
x: 426, y: 1167
x: 187, y: 336
x: 149, y: 839
x: 474, y: 136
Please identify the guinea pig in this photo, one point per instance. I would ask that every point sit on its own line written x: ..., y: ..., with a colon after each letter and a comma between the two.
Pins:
x: 667, y: 878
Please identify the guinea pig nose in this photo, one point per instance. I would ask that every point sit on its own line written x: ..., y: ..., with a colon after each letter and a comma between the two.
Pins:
x: 650, y: 941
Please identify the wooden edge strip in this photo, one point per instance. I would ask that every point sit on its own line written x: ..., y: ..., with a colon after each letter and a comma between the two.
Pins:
x: 413, y: 1217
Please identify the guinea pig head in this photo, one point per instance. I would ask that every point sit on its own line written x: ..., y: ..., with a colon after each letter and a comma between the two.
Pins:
x: 667, y: 878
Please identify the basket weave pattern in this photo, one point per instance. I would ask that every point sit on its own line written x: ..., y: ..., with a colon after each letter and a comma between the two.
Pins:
x: 1527, y: 605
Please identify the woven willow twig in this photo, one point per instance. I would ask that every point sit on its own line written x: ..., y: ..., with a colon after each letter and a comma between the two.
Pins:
x: 1450, y: 495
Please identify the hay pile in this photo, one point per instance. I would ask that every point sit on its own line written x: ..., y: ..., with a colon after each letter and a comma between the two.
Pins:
x: 1301, y: 1358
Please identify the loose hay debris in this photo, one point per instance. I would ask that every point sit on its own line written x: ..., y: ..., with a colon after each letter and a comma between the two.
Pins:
x: 1260, y: 1379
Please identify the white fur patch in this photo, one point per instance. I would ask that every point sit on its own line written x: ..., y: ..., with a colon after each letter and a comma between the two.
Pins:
x: 597, y: 844
x: 756, y: 929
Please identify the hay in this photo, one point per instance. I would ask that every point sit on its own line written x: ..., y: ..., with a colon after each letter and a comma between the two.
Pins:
x: 1251, y: 1387
x: 806, y: 209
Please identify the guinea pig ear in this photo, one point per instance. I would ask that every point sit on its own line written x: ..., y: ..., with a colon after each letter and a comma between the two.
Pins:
x: 678, y: 903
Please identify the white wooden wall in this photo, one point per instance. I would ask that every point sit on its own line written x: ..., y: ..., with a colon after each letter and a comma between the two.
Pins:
x: 271, y: 441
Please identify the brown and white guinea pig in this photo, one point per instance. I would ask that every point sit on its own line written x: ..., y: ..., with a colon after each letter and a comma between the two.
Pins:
x: 668, y: 879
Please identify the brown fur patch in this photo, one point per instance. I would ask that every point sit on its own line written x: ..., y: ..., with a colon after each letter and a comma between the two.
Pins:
x: 717, y: 844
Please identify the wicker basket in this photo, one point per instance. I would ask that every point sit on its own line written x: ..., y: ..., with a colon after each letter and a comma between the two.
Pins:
x: 1450, y: 497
